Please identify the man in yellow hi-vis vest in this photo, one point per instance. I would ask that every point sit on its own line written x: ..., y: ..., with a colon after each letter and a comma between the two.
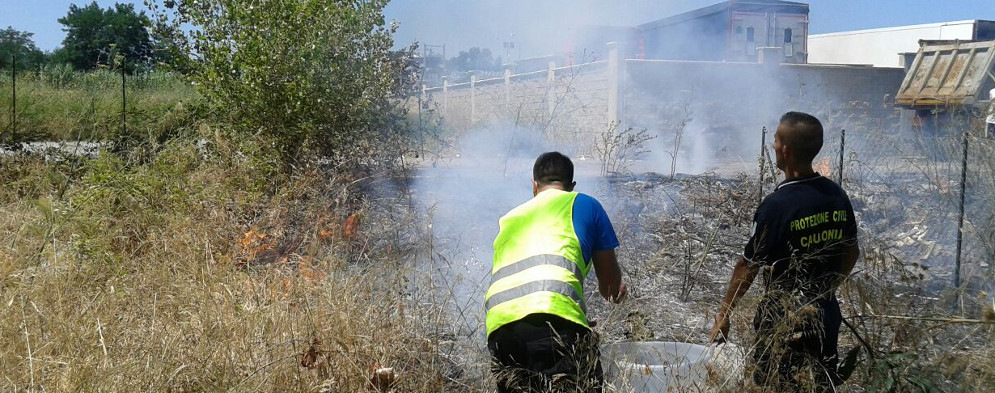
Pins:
x: 537, y: 328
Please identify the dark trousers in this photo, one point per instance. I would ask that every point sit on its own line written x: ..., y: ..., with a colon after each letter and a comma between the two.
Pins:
x: 545, y: 353
x: 796, y: 346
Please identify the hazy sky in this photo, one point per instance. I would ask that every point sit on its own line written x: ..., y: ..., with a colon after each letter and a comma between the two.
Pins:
x: 461, y: 24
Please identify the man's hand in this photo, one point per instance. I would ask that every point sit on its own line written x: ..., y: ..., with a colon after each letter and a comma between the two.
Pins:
x: 623, y: 289
x: 609, y: 274
x: 720, y: 331
x: 742, y: 277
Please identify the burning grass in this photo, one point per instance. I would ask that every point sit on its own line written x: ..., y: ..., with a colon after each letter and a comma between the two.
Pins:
x: 190, y: 274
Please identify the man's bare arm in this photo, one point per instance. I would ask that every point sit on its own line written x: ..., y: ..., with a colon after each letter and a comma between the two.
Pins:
x: 850, y: 256
x: 850, y: 259
x: 742, y: 277
x: 609, y: 274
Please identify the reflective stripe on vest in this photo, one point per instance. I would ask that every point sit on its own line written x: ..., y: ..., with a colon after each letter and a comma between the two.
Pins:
x: 532, y: 262
x: 517, y: 280
x: 538, y: 264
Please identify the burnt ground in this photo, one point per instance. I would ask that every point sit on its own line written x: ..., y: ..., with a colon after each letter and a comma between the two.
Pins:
x: 679, y: 239
x: 682, y: 236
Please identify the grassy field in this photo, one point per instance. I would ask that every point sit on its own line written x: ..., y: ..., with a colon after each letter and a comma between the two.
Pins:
x: 58, y: 104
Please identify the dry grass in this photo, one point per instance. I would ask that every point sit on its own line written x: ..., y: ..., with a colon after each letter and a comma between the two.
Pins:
x: 188, y: 274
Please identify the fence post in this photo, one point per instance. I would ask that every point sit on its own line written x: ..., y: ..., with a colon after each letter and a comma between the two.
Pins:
x: 960, y: 225
x: 445, y: 96
x: 763, y: 163
x: 124, y: 104
x: 13, y: 100
x: 614, y: 76
x: 507, y: 87
x: 423, y: 97
x: 551, y: 87
x: 473, y: 97
x: 422, y: 100
x: 842, y: 147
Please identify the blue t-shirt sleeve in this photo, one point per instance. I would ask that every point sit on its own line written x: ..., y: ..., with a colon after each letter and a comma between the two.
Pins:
x: 592, y: 226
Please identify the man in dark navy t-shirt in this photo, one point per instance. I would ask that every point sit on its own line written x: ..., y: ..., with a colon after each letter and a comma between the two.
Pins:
x: 804, y: 239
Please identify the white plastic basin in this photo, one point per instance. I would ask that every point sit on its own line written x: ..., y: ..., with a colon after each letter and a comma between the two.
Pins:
x: 655, y: 366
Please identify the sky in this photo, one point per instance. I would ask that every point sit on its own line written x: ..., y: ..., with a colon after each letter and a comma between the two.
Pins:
x: 462, y: 24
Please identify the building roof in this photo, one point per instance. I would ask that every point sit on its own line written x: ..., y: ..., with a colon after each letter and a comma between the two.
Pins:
x: 898, y: 28
x: 736, y: 5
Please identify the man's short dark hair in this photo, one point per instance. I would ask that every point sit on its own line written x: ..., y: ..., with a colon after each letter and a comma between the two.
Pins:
x: 806, y: 136
x: 553, y: 167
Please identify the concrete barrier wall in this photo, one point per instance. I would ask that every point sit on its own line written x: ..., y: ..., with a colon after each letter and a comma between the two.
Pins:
x: 562, y: 103
x: 723, y: 105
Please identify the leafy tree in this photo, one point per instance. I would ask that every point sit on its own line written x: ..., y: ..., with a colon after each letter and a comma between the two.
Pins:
x: 19, y: 44
x: 96, y: 37
x: 475, y: 59
x: 313, y: 78
x: 58, y: 57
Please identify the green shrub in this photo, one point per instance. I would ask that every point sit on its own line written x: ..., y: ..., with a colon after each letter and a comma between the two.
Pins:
x: 315, y: 78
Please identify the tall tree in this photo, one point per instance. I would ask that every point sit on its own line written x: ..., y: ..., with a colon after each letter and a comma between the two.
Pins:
x: 100, y: 37
x: 475, y: 59
x: 19, y: 45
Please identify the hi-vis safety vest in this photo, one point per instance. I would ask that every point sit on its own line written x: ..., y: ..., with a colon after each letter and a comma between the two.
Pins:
x: 538, y: 263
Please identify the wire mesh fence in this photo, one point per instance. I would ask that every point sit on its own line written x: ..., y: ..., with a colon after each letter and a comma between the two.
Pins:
x: 56, y: 103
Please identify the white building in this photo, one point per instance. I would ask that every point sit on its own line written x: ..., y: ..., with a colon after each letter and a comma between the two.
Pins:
x: 883, y: 47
